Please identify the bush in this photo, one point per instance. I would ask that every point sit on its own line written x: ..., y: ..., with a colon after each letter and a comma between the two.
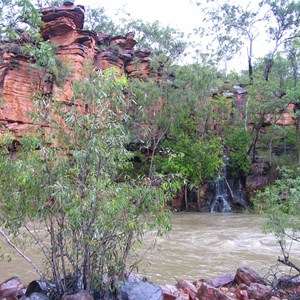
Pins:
x: 280, y: 205
x: 73, y: 178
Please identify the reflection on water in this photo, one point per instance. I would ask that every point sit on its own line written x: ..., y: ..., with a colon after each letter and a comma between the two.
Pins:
x: 200, y: 246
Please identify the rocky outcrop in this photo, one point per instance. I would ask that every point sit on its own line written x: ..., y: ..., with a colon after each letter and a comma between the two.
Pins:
x: 21, y: 81
x: 245, y: 285
x: 258, y: 178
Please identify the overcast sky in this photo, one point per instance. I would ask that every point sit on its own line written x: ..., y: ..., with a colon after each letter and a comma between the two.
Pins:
x: 177, y: 13
x: 184, y: 15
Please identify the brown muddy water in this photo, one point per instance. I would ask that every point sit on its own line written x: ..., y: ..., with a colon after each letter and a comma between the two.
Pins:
x: 200, y: 246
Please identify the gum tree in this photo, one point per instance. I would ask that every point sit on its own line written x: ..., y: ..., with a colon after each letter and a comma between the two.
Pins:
x: 72, y: 178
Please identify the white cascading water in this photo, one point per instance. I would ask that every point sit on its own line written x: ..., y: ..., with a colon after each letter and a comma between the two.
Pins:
x: 228, y: 191
x: 221, y: 201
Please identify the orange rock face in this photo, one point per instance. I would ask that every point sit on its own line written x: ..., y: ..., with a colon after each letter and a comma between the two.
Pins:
x: 21, y: 81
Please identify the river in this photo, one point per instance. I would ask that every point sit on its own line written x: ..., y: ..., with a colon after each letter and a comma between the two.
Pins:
x: 200, y: 246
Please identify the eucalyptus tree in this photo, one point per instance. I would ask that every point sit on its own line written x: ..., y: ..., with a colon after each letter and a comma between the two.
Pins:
x: 283, y: 26
x: 279, y: 203
x: 233, y: 26
x: 276, y: 21
x: 96, y: 19
x: 73, y: 177
x: 293, y: 55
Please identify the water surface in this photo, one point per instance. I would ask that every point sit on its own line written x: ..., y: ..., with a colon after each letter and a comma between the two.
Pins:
x: 200, y: 246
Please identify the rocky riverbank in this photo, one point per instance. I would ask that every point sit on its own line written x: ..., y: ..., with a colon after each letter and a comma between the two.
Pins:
x: 246, y: 284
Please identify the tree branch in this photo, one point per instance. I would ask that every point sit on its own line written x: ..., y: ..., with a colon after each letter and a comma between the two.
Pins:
x: 11, y: 244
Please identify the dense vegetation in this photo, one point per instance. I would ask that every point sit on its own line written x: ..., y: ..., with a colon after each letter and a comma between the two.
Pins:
x: 105, y: 179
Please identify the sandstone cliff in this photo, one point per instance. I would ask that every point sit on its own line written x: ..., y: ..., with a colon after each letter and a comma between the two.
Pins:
x: 20, y: 79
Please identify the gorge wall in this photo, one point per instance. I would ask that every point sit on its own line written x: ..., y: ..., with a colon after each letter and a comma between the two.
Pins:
x: 20, y: 79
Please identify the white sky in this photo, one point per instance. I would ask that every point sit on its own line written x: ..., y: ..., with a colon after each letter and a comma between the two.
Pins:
x: 177, y: 13
x: 181, y: 14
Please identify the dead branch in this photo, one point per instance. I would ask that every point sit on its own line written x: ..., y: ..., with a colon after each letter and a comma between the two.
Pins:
x: 11, y: 244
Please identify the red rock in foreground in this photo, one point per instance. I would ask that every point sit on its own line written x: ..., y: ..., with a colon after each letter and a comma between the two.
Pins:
x: 247, y: 285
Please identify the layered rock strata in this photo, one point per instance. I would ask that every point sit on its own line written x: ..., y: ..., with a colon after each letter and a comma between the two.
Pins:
x: 21, y: 80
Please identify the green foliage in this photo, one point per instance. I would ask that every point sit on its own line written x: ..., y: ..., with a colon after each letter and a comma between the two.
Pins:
x: 19, y: 15
x: 199, y: 161
x: 280, y: 204
x: 74, y: 179
x: 97, y: 20
x: 161, y: 40
x: 190, y: 104
x: 238, y: 142
x: 43, y: 56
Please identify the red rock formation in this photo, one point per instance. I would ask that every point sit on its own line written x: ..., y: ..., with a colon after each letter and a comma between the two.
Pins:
x: 20, y: 80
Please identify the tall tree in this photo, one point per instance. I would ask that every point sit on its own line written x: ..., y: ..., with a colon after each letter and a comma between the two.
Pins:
x: 234, y: 26
x: 283, y: 25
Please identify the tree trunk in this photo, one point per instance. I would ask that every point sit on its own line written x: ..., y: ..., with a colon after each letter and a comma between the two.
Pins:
x: 268, y: 66
x: 185, y: 198
x: 250, y: 70
x: 198, y: 200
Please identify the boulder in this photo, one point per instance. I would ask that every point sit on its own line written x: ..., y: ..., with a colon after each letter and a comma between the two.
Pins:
x: 11, y: 288
x: 247, y: 276
x: 209, y: 292
x: 187, y: 286
x: 81, y: 295
x: 38, y: 286
x: 224, y: 280
x: 169, y: 292
x: 241, y: 292
x: 36, y: 296
x: 289, y: 284
x: 140, y: 291
x: 258, y: 291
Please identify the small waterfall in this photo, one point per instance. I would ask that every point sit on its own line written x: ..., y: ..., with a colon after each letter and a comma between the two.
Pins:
x: 221, y: 201
x: 228, y: 191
